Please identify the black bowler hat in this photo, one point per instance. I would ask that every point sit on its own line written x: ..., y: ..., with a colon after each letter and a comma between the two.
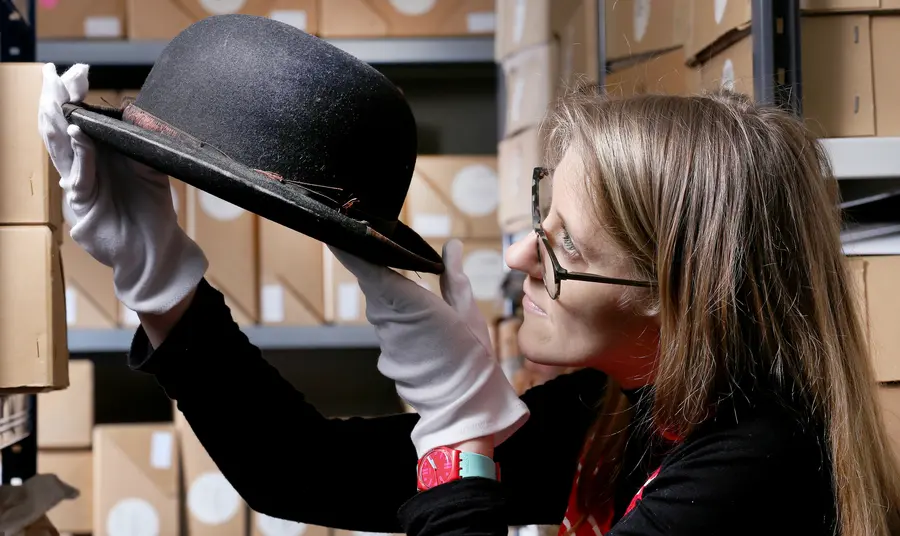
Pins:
x: 282, y: 124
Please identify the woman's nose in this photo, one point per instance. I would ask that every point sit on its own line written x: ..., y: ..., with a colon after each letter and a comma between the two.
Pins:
x: 522, y: 256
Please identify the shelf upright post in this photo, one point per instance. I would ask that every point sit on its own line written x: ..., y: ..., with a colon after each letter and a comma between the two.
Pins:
x: 601, y: 43
x: 776, y: 53
x: 18, y: 43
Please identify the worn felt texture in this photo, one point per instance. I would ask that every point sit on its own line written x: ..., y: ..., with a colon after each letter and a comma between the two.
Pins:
x: 283, y: 124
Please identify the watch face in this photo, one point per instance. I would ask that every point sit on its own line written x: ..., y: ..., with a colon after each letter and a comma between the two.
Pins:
x: 437, y: 468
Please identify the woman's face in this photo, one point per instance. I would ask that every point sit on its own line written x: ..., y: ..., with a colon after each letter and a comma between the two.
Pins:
x: 590, y: 324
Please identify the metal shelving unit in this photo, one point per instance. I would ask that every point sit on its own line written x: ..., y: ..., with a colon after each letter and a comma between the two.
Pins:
x: 87, y: 341
x: 374, y: 51
x: 864, y: 158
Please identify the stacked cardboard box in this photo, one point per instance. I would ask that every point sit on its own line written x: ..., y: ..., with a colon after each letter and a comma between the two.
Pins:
x: 643, y: 47
x: 545, y: 48
x: 164, y: 19
x: 850, y: 87
x: 65, y: 422
x: 33, y: 342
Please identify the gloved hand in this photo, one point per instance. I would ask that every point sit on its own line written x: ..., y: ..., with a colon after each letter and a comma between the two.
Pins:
x: 438, y: 352
x: 123, y: 210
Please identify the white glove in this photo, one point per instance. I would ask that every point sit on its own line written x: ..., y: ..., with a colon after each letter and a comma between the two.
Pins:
x: 439, y: 354
x: 123, y: 210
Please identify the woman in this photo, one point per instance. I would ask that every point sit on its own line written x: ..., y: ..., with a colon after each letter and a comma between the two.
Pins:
x: 688, y: 261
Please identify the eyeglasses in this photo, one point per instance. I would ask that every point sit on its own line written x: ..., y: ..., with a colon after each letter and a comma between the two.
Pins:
x: 551, y: 271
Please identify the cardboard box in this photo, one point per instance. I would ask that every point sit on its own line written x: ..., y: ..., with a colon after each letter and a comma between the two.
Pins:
x: 75, y: 468
x: 838, y: 94
x: 91, y: 300
x: 571, y: 24
x: 531, y: 79
x: 454, y: 196
x: 889, y: 398
x: 731, y: 68
x: 29, y: 189
x: 65, y: 418
x: 263, y: 525
x: 517, y: 158
x: 661, y: 73
x: 164, y: 19
x: 291, y: 277
x: 228, y: 235
x: 636, y: 27
x: 716, y: 24
x: 848, y: 5
x: 406, y: 18
x: 886, y: 76
x: 344, y: 301
x: 34, y: 350
x: 103, y: 97
x: 483, y: 265
x: 79, y: 19
x: 878, y: 295
x: 213, y: 506
x: 135, y: 479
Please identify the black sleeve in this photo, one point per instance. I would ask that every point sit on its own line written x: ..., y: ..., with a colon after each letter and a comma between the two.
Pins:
x: 288, y: 461
x: 765, y: 474
x: 468, y: 507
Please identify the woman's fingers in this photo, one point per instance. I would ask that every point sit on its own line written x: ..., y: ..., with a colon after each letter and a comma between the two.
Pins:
x: 75, y: 79
x: 81, y: 186
x: 457, y: 291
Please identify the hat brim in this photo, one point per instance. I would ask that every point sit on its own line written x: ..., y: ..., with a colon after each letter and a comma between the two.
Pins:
x: 206, y: 169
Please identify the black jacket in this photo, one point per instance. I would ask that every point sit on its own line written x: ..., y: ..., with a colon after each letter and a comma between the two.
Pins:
x: 757, y: 468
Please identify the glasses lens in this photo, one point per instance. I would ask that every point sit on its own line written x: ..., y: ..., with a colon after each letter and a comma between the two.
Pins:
x: 548, y: 274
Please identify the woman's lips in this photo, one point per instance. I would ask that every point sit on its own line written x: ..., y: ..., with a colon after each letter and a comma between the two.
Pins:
x: 531, y: 307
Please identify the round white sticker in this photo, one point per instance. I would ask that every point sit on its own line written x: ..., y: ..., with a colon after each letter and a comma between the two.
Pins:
x: 413, y: 7
x: 719, y: 7
x: 728, y: 75
x: 270, y: 526
x: 68, y: 213
x: 223, y: 7
x: 476, y: 190
x: 219, y: 208
x: 175, y: 200
x: 132, y: 517
x: 484, y: 268
x: 641, y: 18
x: 212, y: 500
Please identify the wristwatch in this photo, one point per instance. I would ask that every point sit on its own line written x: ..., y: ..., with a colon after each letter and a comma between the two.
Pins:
x: 443, y: 464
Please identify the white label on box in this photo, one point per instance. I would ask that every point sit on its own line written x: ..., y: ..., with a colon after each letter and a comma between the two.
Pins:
x: 175, y: 201
x: 484, y: 268
x: 481, y: 22
x: 348, y: 301
x: 515, y: 102
x: 476, y: 190
x: 431, y: 224
x: 272, y: 303
x: 222, y: 7
x: 413, y: 7
x: 270, y: 526
x: 719, y: 7
x: 212, y: 500
x: 71, y: 306
x: 293, y: 17
x: 130, y: 318
x: 98, y: 26
x: 219, y: 208
x: 728, y: 75
x: 132, y: 517
x: 641, y: 18
x: 161, y: 445
x: 519, y: 20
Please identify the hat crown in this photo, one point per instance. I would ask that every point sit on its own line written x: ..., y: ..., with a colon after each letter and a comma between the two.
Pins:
x: 276, y: 99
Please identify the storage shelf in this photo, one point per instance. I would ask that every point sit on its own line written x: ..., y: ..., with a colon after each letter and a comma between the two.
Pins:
x: 864, y: 158
x: 374, y: 50
x: 265, y: 337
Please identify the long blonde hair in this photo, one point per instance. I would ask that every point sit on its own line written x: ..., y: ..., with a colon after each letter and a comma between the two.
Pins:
x: 731, y: 208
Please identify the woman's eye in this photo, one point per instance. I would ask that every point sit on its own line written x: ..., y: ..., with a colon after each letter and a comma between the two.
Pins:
x: 568, y: 244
